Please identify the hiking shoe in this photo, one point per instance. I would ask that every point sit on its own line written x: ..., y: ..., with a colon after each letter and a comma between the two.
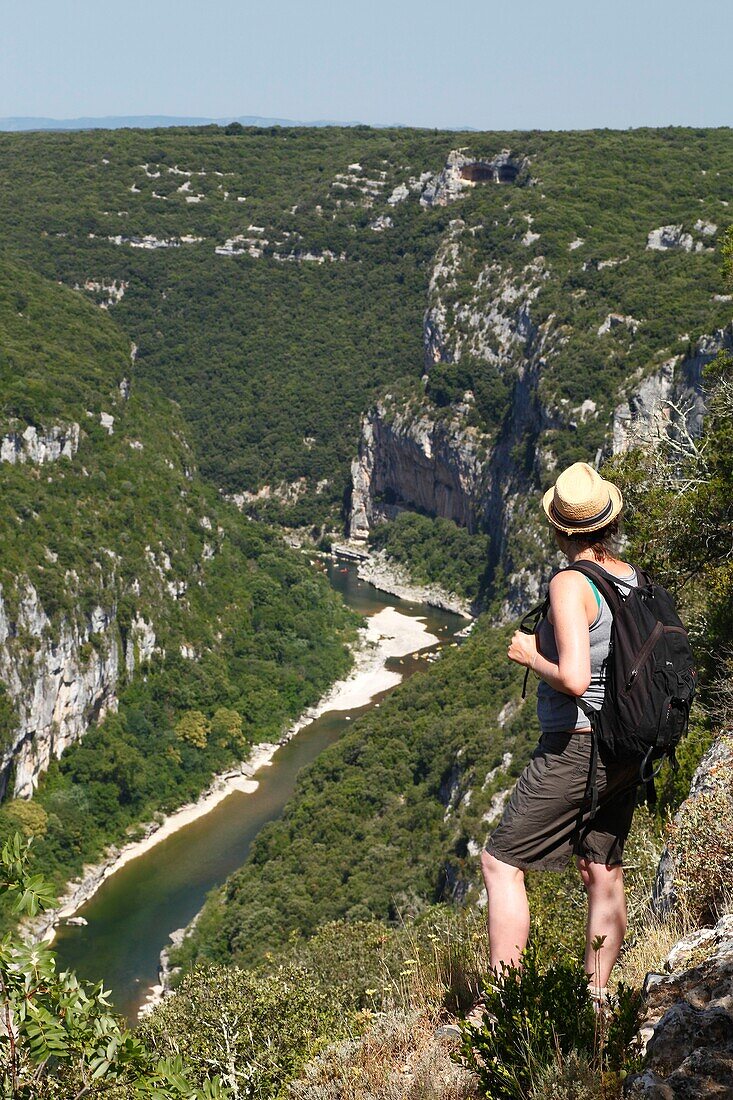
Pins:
x: 479, y: 1015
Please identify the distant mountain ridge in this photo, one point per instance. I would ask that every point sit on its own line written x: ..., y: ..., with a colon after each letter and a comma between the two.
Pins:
x: 150, y: 122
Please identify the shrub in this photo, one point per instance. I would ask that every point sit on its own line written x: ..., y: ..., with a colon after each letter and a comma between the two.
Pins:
x: 534, y: 1018
x: 59, y: 1036
x: 254, y: 1030
x: 193, y: 728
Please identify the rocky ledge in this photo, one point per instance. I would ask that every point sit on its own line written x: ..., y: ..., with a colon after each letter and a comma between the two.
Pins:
x: 689, y: 1021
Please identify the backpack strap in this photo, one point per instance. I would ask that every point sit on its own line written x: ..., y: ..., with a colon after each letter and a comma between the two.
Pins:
x: 594, y: 572
x: 529, y: 624
x: 590, y: 795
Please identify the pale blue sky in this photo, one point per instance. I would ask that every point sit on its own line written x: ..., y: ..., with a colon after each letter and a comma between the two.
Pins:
x: 523, y: 64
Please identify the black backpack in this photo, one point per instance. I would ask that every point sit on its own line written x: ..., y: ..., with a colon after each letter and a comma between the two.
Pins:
x: 650, y: 678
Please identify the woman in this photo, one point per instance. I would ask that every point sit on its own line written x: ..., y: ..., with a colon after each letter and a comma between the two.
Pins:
x: 542, y: 825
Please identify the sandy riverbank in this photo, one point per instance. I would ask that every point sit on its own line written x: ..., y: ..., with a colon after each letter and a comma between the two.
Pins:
x: 387, y: 634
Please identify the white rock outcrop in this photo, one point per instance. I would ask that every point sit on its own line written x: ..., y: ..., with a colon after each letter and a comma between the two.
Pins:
x: 647, y: 415
x: 669, y: 236
x: 112, y: 289
x: 40, y: 445
x: 462, y: 171
x: 59, y: 681
x: 400, y: 193
x: 619, y: 320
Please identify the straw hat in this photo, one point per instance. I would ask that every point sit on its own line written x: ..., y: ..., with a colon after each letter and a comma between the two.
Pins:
x: 581, y: 501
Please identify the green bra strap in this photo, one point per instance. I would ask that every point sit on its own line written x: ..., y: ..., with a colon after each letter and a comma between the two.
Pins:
x: 596, y: 593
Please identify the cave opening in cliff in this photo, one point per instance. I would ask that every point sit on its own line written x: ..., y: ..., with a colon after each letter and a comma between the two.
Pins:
x: 478, y: 172
x: 507, y: 173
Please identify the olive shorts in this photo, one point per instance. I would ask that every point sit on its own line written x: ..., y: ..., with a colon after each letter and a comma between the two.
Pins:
x: 539, y: 826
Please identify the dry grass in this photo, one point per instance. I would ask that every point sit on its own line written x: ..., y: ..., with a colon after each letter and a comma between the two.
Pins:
x: 399, y: 1057
x: 447, y: 961
x: 571, y: 1076
x: 654, y: 939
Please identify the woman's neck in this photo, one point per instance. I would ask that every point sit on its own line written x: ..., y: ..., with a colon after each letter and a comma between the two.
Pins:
x: 586, y: 554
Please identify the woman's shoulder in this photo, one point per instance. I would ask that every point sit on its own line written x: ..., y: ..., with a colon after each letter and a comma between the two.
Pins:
x: 566, y: 581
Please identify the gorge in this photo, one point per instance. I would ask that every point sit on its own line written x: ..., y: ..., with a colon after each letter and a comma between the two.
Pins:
x: 393, y: 337
x: 131, y: 915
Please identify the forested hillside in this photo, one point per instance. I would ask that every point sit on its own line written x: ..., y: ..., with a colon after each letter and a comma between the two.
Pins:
x: 275, y: 281
x: 127, y: 581
x: 465, y: 322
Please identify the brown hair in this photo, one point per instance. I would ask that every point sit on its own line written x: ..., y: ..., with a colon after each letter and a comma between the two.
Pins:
x: 604, y: 542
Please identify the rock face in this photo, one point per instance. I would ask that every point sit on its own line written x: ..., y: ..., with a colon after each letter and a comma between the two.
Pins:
x: 40, y: 445
x: 690, y: 1022
x: 414, y: 454
x: 405, y: 457
x: 647, y: 416
x: 669, y: 236
x: 462, y: 171
x: 675, y: 236
x: 712, y: 785
x: 438, y: 461
x: 59, y: 683
x: 689, y: 1016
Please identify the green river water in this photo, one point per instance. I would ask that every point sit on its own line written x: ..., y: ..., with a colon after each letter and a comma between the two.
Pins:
x: 131, y: 915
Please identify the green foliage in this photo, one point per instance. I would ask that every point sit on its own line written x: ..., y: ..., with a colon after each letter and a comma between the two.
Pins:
x: 534, y: 1015
x: 8, y: 719
x: 210, y: 327
x: 436, y: 551
x: 59, y: 1036
x: 254, y: 1031
x: 227, y: 727
x: 193, y: 728
x: 125, y: 525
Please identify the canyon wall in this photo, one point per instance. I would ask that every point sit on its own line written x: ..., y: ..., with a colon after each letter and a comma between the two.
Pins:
x: 445, y: 462
x: 60, y: 679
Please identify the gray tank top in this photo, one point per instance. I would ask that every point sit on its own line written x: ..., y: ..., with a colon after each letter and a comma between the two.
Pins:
x: 557, y: 711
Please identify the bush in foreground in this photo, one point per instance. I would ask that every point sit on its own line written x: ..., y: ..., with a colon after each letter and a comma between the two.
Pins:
x: 537, y: 1020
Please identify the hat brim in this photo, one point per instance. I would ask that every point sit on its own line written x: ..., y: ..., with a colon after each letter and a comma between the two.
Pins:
x: 617, y: 502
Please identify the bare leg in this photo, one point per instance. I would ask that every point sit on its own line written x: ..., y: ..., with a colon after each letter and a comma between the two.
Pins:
x: 606, y: 917
x: 508, y: 917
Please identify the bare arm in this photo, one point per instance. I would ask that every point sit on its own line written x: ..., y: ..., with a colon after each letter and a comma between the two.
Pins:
x: 570, y: 618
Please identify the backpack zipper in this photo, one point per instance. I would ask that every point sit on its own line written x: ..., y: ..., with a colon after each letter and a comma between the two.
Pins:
x: 644, y: 653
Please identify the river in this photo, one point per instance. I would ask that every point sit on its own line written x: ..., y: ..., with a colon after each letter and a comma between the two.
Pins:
x: 135, y: 909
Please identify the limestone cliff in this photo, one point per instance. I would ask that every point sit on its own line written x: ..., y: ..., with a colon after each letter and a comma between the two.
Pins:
x: 689, y: 1009
x: 670, y: 394
x: 60, y: 679
x: 689, y: 1021
x: 102, y: 524
x: 408, y: 457
x: 26, y: 443
x: 454, y: 462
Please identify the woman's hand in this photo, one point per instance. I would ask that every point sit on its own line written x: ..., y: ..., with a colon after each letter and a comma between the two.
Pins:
x: 523, y: 648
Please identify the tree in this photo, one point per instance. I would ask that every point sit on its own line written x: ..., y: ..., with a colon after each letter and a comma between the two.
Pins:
x: 226, y: 728
x: 193, y: 727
